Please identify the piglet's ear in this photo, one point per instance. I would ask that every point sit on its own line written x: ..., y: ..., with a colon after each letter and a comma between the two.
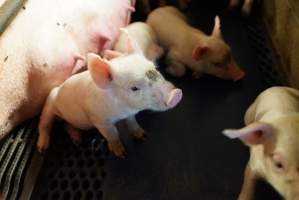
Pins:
x: 99, y: 70
x: 253, y: 134
x: 199, y: 51
x: 110, y: 54
x: 131, y: 44
x: 154, y: 52
x: 217, y: 28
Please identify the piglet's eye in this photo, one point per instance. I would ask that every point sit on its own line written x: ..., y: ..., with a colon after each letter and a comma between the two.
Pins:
x: 134, y: 88
x: 278, y: 165
x: 277, y: 162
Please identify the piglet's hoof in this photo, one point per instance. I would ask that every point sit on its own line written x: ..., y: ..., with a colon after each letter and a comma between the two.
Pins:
x: 76, y: 139
x: 76, y: 142
x: 42, y: 143
x: 117, y: 148
x: 139, y: 134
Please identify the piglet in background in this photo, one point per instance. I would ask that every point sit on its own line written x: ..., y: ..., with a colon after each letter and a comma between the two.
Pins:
x: 109, y: 91
x: 272, y: 133
x: 189, y: 47
x: 45, y: 44
x: 145, y: 38
x: 246, y: 8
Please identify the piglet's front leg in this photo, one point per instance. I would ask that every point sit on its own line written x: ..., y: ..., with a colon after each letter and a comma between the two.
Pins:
x: 249, y: 183
x: 110, y: 133
x: 135, y: 129
x: 74, y: 133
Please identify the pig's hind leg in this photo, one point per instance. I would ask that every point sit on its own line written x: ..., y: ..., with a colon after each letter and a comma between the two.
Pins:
x: 174, y: 66
x: 135, y: 129
x: 110, y: 133
x: 45, y: 124
x: 74, y: 133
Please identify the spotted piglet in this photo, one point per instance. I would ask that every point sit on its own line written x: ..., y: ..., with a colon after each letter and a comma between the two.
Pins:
x: 109, y: 91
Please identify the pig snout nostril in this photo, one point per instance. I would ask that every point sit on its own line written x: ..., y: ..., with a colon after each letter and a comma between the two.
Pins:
x: 174, y: 98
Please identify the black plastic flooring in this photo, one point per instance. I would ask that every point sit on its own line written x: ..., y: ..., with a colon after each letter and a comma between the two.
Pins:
x: 185, y: 155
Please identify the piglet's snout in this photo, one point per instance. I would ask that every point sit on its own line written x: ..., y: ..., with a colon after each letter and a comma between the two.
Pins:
x: 174, y: 98
x: 235, y: 73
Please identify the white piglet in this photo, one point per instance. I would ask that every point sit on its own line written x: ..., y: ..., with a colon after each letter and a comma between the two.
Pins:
x: 109, y: 91
x: 144, y: 36
x: 45, y: 44
x: 272, y: 133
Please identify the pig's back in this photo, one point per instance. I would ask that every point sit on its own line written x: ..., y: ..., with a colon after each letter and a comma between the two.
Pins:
x: 277, y: 101
x: 169, y: 24
x: 143, y: 34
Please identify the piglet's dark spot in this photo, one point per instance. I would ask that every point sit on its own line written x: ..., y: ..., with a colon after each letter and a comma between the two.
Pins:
x: 5, y: 59
x: 152, y: 75
x: 58, y: 24
x: 24, y: 8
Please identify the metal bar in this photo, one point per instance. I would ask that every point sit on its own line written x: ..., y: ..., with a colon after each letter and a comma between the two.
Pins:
x: 8, y: 11
x: 29, y: 176
x: 15, y: 165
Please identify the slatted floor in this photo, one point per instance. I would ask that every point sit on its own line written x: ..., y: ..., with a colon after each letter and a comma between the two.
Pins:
x: 185, y: 155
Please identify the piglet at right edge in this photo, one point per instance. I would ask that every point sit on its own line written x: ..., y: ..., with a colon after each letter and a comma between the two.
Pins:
x: 190, y: 47
x: 272, y: 133
x: 111, y: 90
